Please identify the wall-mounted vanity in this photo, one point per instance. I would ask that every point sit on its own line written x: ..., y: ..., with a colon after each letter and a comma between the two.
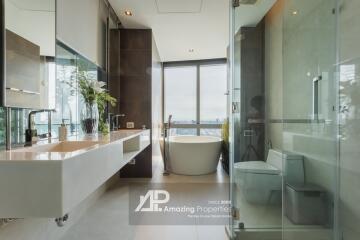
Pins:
x: 49, y: 180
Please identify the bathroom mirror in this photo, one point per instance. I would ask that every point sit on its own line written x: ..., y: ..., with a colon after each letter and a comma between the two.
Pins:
x: 28, y: 48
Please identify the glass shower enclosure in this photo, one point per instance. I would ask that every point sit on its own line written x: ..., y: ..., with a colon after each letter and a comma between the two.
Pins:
x: 284, y: 120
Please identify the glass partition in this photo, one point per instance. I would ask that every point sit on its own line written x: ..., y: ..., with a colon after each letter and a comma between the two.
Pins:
x: 66, y: 90
x: 349, y: 68
x: 68, y: 65
x: 310, y: 118
x: 284, y: 127
x: 257, y: 187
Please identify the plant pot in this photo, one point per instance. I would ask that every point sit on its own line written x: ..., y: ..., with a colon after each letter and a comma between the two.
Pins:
x: 89, y: 118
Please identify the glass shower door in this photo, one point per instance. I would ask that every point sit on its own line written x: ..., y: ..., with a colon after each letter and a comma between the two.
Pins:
x: 284, y: 93
x: 234, y: 120
x: 254, y: 210
x: 310, y: 110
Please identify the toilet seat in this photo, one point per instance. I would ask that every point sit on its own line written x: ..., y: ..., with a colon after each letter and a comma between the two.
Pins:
x: 259, y: 167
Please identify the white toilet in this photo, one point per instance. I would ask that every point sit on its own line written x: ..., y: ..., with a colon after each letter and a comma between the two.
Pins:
x: 261, y: 182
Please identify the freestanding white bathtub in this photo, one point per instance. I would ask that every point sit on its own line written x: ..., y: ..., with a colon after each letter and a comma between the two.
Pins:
x: 193, y: 155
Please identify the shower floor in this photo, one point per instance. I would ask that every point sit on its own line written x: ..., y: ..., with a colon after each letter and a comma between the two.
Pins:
x: 267, y: 220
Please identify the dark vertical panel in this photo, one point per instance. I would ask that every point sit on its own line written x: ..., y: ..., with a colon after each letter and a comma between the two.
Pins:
x: 114, y: 68
x: 135, y: 74
x: 252, y: 93
x: 135, y: 91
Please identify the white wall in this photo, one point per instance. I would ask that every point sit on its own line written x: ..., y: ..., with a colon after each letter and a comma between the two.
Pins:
x: 309, y: 50
x: 78, y: 26
x: 156, y: 101
x: 274, y: 74
x: 35, y: 26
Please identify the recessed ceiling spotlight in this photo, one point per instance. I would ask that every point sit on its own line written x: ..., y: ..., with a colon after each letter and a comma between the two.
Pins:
x: 295, y: 12
x: 128, y: 13
x: 191, y: 50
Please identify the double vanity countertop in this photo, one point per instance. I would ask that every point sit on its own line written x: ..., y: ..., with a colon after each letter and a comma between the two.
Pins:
x: 54, y: 150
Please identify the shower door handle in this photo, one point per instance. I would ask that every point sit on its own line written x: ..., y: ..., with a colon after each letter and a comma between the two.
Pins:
x: 316, y: 82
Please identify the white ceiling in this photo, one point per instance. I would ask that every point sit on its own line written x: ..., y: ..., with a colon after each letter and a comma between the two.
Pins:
x: 35, y: 5
x: 250, y: 15
x: 175, y: 6
x: 181, y: 25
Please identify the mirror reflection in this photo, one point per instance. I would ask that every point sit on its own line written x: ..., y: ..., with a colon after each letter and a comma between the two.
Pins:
x: 30, y: 54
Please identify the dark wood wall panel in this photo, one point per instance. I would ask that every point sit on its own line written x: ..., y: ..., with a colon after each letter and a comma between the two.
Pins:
x: 136, y: 39
x: 253, y: 91
x: 114, y: 68
x: 135, y: 91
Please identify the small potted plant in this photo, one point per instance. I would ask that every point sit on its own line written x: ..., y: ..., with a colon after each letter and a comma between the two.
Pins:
x: 95, y: 98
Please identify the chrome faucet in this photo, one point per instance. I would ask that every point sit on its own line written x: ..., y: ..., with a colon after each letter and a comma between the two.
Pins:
x: 166, y: 137
x: 31, y: 131
x: 116, y: 124
x: 167, y: 126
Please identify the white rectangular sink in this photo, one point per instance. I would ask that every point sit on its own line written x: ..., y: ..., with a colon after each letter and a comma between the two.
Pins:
x: 68, y: 146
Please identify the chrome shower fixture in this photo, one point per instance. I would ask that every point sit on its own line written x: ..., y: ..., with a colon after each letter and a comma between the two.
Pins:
x: 236, y: 3
x: 247, y: 1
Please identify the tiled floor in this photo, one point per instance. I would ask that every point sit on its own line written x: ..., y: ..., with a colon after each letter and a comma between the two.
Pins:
x: 108, y: 218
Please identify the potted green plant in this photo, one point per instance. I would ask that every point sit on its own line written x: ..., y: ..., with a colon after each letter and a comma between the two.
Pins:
x: 103, y: 99
x: 95, y: 98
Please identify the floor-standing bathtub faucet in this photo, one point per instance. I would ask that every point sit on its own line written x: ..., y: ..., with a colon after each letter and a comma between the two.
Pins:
x: 169, y: 122
x: 166, y: 138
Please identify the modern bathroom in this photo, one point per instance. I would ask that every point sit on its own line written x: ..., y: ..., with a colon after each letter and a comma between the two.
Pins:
x: 192, y: 119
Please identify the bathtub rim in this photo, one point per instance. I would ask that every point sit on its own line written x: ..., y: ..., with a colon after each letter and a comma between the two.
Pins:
x: 207, y: 139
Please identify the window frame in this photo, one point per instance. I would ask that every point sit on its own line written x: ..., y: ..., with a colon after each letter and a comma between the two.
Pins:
x: 195, y: 63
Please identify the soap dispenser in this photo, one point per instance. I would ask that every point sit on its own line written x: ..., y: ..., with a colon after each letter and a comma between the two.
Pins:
x: 62, y: 131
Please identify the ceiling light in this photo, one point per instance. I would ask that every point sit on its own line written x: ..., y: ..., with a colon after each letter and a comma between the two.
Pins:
x: 294, y: 12
x: 128, y: 13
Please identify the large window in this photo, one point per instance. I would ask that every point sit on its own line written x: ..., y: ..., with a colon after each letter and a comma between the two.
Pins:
x: 180, y: 93
x: 195, y: 96
x: 213, y: 88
